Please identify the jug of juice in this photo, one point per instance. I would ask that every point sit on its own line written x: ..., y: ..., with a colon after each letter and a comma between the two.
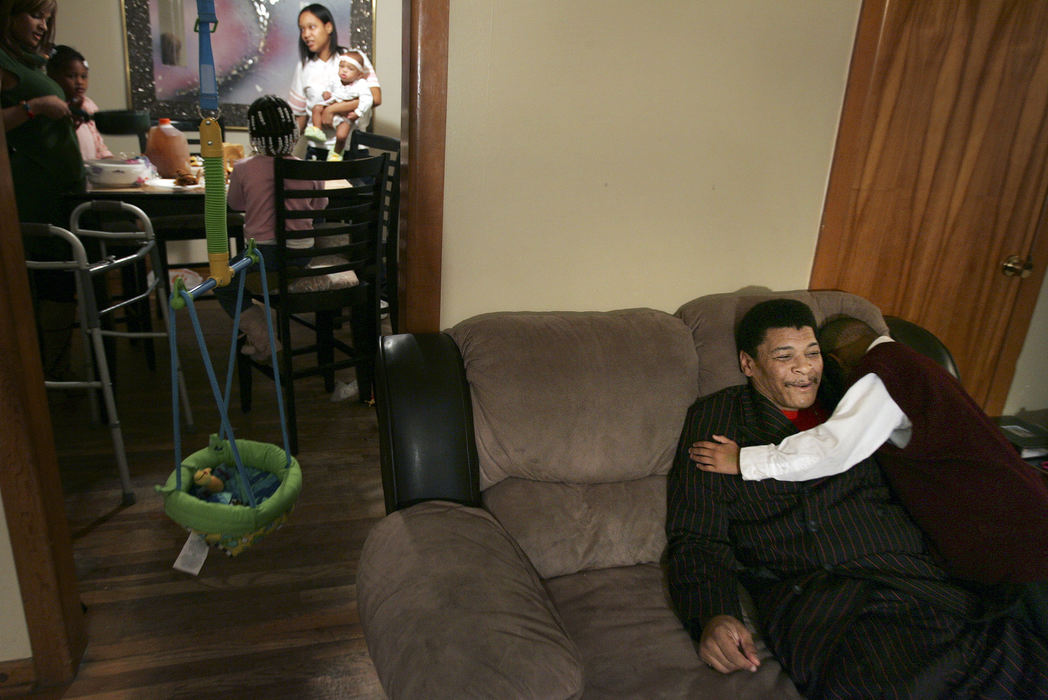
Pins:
x: 167, y: 149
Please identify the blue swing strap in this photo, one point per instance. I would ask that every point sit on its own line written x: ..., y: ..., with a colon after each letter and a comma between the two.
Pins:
x: 206, y: 23
x: 183, y: 298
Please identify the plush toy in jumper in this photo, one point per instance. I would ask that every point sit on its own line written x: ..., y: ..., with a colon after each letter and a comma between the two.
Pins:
x: 204, y: 477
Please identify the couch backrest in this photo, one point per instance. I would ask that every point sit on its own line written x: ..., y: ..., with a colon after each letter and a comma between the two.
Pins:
x: 581, y: 397
x: 576, y: 418
x: 712, y: 320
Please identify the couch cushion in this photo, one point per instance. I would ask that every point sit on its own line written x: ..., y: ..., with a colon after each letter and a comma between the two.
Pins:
x: 564, y: 528
x: 583, y: 397
x: 712, y: 322
x: 633, y: 646
x: 451, y: 608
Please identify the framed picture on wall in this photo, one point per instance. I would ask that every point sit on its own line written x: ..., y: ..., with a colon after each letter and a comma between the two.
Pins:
x: 255, y: 47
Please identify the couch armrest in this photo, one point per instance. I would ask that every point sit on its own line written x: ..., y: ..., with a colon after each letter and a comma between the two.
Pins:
x: 425, y: 421
x: 450, y: 607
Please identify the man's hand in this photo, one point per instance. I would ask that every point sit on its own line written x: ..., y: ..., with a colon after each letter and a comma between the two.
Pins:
x: 727, y: 645
x: 721, y: 456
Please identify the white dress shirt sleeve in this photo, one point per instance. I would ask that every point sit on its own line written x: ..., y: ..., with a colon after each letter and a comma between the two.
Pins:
x: 865, y: 419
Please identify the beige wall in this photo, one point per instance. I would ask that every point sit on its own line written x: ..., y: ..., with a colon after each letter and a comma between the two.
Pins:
x: 610, y: 153
x: 1029, y: 391
x: 14, y: 635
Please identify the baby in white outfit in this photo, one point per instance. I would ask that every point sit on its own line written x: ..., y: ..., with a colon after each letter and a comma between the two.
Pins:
x: 350, y: 85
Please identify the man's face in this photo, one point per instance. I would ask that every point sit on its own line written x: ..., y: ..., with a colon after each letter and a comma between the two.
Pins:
x: 787, y: 369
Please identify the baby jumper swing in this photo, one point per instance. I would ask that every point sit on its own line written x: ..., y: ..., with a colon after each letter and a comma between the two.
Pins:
x: 232, y: 492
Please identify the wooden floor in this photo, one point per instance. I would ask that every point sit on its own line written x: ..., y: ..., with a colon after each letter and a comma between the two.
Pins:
x: 278, y: 621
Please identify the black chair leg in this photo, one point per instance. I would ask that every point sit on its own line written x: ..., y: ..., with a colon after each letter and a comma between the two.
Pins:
x: 324, y: 322
x: 139, y: 315
x: 362, y: 325
x: 288, y: 386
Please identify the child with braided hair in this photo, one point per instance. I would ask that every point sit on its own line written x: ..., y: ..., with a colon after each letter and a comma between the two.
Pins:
x: 271, y: 126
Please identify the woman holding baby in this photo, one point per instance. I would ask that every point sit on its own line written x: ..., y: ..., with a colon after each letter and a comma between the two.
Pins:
x: 318, y: 70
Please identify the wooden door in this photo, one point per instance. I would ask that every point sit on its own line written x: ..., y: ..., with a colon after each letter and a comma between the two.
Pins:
x: 941, y: 173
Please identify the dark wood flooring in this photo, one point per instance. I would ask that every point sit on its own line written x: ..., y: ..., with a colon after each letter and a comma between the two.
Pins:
x: 278, y: 621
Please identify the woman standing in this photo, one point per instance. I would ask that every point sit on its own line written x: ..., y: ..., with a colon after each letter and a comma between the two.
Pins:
x: 45, y: 163
x: 41, y: 143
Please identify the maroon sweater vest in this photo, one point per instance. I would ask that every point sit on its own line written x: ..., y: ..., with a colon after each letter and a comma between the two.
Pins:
x: 984, y: 508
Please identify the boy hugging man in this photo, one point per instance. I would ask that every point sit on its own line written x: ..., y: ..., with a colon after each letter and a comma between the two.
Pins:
x: 350, y: 86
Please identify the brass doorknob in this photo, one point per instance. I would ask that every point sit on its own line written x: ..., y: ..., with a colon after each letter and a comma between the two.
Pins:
x: 1014, y: 266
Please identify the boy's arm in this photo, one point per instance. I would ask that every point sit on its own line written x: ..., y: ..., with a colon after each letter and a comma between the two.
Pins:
x: 865, y: 419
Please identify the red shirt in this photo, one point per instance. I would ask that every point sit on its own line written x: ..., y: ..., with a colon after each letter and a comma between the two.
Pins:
x: 807, y: 418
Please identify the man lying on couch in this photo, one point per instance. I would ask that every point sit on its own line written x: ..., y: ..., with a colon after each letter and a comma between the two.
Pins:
x: 983, y: 508
x: 850, y: 600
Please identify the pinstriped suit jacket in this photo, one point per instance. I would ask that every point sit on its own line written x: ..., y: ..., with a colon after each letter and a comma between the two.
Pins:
x: 783, y: 540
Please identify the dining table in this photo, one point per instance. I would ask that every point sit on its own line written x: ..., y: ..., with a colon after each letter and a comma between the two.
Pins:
x: 177, y: 212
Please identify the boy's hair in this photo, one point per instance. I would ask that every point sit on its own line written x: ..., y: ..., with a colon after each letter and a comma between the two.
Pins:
x: 271, y: 125
x: 774, y: 313
x: 61, y: 57
x: 843, y: 330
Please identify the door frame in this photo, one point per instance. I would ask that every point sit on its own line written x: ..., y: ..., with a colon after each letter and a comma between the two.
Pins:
x: 29, y: 481
x: 423, y: 127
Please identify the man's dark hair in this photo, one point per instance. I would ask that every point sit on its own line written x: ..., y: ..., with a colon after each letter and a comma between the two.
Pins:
x: 774, y: 313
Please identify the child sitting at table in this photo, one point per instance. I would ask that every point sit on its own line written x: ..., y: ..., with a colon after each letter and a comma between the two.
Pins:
x: 273, y: 132
x: 351, y: 85
x: 69, y: 69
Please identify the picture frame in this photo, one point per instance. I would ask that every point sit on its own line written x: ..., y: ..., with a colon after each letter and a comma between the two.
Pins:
x: 255, y: 46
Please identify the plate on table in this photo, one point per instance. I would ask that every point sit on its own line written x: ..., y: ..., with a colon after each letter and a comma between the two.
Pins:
x: 169, y: 184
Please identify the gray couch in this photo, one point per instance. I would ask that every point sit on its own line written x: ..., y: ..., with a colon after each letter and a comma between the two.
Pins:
x: 524, y: 463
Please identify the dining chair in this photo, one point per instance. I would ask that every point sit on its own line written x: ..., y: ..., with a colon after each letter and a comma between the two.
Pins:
x: 110, y: 250
x: 315, y: 284
x: 363, y: 143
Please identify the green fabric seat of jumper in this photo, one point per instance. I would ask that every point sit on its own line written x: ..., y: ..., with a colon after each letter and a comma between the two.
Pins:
x: 235, y: 520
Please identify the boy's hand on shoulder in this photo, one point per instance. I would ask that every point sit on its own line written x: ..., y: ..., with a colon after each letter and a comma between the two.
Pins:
x: 721, y: 455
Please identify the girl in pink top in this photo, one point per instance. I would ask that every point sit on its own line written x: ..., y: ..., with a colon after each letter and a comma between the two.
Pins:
x: 273, y: 132
x: 69, y: 69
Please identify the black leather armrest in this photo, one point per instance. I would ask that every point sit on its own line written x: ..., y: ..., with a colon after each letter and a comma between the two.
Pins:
x: 425, y: 422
